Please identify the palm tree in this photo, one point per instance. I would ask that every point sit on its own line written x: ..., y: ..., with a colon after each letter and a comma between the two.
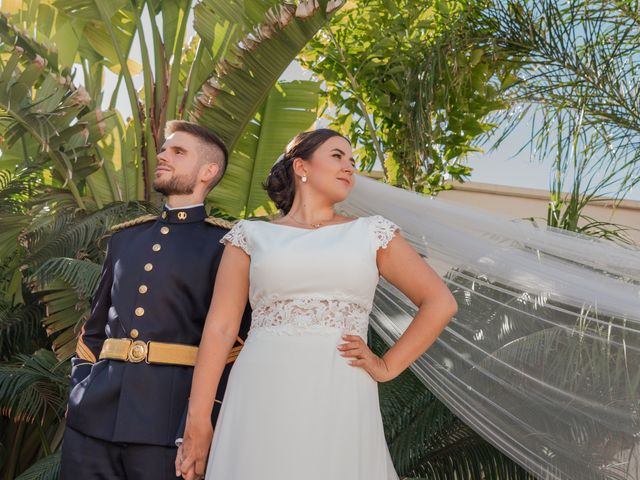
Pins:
x: 72, y: 168
x: 577, y: 78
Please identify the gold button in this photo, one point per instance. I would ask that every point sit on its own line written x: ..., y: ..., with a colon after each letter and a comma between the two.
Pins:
x: 142, y: 289
x: 164, y: 230
x: 148, y: 267
x: 134, y: 333
x: 139, y: 311
x: 182, y: 215
x: 164, y: 214
x: 156, y: 247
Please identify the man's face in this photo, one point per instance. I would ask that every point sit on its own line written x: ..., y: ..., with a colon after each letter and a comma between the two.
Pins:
x: 179, y: 165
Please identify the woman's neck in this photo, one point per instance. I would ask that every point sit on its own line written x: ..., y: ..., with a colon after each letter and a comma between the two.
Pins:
x: 306, y: 210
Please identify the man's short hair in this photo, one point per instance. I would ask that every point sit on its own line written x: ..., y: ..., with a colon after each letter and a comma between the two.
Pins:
x: 207, y: 137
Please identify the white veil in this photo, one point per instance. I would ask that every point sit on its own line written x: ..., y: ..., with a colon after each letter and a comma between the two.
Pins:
x: 543, y: 356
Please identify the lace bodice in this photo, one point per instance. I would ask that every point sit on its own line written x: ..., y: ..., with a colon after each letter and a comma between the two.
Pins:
x: 304, y: 280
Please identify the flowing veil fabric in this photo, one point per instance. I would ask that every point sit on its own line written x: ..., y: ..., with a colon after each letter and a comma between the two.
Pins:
x: 543, y: 356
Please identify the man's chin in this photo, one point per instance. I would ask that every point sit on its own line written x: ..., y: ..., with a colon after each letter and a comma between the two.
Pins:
x: 167, y: 190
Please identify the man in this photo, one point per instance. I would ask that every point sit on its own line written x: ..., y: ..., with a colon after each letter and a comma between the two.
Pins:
x: 131, y: 375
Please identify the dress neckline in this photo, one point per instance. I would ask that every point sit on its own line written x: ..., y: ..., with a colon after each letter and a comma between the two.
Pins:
x: 315, y: 229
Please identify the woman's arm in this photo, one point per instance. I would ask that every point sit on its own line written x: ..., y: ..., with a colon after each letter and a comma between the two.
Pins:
x: 220, y: 331
x: 401, y: 265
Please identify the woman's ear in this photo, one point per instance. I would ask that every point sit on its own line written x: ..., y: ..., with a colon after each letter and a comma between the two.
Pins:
x: 299, y: 167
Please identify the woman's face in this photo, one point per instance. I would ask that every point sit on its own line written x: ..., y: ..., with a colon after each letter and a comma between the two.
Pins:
x: 329, y: 170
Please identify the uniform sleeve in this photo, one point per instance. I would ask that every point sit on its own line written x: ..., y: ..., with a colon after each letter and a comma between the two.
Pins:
x: 238, y: 236
x: 382, y: 231
x: 92, y: 334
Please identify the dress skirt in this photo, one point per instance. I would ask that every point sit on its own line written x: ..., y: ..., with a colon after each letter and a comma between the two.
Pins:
x: 295, y: 409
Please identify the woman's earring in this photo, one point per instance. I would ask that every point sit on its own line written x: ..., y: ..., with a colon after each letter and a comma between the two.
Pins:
x: 304, y: 179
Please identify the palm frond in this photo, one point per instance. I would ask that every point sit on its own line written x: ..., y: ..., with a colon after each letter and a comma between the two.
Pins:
x: 11, y: 34
x: 47, y: 468
x: 82, y: 275
x: 20, y: 329
x: 32, y: 386
x: 77, y: 234
x: 45, y: 116
x: 229, y: 99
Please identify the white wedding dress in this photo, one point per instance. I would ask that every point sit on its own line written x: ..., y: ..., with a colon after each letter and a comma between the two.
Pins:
x: 294, y: 408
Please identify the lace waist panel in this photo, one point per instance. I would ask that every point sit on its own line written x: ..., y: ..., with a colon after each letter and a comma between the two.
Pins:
x: 307, y: 315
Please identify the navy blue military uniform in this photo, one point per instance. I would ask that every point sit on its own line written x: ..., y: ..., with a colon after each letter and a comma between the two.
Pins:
x: 156, y: 285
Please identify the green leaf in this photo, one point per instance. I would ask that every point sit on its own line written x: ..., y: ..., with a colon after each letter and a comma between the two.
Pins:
x: 47, y: 468
x: 289, y: 109
x: 229, y: 100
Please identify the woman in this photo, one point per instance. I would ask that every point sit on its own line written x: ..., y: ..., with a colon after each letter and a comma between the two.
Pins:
x: 302, y: 399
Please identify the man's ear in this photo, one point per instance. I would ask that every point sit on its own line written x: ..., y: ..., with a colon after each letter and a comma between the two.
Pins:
x: 210, y: 172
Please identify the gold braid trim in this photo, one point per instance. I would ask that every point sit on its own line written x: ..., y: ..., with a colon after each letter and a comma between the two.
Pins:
x: 135, y: 221
x: 219, y: 222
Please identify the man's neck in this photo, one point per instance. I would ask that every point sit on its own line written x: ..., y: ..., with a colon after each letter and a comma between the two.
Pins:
x: 182, y: 201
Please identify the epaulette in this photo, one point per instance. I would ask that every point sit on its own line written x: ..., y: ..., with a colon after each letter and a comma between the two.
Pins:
x: 135, y: 221
x: 219, y: 222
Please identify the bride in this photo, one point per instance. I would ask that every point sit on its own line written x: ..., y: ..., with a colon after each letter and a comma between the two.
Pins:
x: 302, y: 398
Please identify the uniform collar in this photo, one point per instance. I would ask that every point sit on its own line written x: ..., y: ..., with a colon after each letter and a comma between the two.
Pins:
x: 189, y: 214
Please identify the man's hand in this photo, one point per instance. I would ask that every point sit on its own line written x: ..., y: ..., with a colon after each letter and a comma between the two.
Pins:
x: 191, y: 459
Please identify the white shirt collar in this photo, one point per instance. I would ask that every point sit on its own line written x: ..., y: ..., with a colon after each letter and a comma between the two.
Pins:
x: 168, y: 207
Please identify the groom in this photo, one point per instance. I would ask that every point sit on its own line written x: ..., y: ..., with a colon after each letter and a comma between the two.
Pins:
x: 131, y: 375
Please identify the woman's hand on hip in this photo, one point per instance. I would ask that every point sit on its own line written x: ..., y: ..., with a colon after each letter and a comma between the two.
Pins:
x: 356, y: 349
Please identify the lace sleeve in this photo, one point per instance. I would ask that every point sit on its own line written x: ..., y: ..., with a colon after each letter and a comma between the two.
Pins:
x: 238, y: 237
x: 383, y: 231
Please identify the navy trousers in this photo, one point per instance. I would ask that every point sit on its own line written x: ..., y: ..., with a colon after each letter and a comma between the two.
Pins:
x: 89, y: 458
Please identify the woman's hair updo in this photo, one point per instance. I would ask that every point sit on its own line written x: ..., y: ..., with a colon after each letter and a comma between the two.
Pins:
x: 280, y: 184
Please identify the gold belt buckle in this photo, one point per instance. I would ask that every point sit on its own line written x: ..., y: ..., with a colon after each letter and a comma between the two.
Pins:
x: 137, y: 351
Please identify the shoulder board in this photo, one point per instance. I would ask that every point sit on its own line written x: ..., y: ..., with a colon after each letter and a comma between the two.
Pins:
x: 135, y: 221
x: 219, y: 222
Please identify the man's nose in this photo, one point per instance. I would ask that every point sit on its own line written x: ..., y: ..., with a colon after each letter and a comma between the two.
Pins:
x: 162, y: 156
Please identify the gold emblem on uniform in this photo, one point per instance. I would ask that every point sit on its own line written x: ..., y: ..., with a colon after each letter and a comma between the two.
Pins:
x: 137, y: 351
x: 164, y: 214
x: 182, y: 215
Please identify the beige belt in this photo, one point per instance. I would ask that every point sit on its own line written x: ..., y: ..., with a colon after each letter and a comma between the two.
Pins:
x: 129, y: 350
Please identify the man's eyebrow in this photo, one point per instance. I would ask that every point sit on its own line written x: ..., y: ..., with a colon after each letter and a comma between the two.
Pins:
x: 175, y: 147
